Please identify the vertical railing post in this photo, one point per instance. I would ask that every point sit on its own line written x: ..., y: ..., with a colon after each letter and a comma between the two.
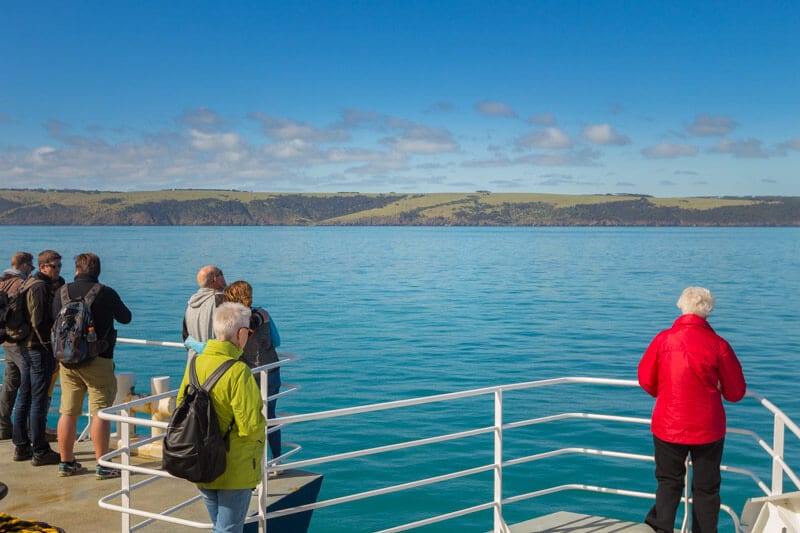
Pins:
x: 777, y: 447
x: 687, y: 508
x: 125, y: 477
x: 263, y: 492
x: 499, y: 522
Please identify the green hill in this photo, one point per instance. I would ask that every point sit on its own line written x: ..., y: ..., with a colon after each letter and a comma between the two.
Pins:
x: 212, y: 207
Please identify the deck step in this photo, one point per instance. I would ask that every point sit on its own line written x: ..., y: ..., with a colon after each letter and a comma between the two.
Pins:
x: 566, y: 522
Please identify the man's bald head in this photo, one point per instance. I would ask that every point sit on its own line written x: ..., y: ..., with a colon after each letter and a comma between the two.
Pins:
x: 211, y: 277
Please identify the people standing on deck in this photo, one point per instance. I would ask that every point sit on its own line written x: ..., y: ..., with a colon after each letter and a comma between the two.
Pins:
x: 37, y: 365
x: 10, y: 283
x: 260, y: 351
x: 198, y: 318
x: 95, y: 375
x: 689, y: 369
x: 236, y: 398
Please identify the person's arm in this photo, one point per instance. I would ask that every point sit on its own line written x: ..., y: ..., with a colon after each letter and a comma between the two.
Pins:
x: 273, y: 332
x: 194, y: 344
x: 121, y: 312
x: 731, y: 377
x: 39, y: 311
x: 648, y: 369
x: 246, y: 404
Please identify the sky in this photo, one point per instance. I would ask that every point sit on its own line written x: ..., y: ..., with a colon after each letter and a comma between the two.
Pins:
x: 667, y: 98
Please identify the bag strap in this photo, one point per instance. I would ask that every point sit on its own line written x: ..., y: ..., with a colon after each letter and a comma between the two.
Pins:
x: 211, y: 380
x: 92, y: 294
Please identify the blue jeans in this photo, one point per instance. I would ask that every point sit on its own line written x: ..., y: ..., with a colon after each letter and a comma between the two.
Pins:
x: 273, y: 387
x: 10, y: 387
x: 227, y: 508
x: 30, y: 411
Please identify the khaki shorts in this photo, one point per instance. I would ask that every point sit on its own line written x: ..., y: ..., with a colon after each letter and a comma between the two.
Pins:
x: 97, y: 377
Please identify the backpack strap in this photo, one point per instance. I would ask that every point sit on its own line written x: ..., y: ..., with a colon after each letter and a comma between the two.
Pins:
x: 209, y: 383
x: 92, y: 294
x: 211, y: 380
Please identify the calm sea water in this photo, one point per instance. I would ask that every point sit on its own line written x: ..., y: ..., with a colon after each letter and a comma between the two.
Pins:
x: 390, y: 313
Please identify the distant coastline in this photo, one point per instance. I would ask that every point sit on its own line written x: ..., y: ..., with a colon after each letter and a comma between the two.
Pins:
x: 199, y: 207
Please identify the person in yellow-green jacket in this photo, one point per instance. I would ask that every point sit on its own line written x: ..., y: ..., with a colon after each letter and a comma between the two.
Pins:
x: 235, y: 397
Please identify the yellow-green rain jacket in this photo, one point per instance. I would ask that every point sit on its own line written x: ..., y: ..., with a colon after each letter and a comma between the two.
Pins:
x: 235, y: 396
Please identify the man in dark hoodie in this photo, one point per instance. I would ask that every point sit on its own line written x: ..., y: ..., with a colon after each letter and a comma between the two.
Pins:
x: 199, y: 315
x: 96, y: 375
x: 38, y: 365
x: 10, y: 283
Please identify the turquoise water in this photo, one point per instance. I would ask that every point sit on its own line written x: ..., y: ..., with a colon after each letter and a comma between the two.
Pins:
x: 389, y: 313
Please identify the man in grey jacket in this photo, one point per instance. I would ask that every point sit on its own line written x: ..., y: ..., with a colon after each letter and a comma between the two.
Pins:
x: 199, y: 315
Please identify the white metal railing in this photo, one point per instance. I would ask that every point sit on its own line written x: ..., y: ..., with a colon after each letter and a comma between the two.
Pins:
x: 124, y: 415
x: 497, y: 426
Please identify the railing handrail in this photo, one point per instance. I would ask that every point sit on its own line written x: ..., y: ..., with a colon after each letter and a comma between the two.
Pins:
x: 498, y: 428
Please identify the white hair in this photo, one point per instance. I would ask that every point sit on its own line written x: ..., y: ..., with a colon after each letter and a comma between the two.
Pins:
x: 696, y: 301
x: 229, y: 317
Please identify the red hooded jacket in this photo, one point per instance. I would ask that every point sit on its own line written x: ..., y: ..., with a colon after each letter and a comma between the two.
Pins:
x: 689, y: 369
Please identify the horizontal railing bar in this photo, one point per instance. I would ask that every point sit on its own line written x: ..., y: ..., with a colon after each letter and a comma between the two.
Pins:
x: 391, y: 447
x: 383, y: 491
x: 439, y: 518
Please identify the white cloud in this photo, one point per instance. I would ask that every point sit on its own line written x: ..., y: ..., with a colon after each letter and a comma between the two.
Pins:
x: 711, y: 125
x: 791, y: 144
x: 215, y: 141
x: 548, y: 138
x: 543, y: 119
x: 201, y: 118
x: 495, y: 109
x: 750, y: 148
x: 284, y: 129
x: 667, y: 150
x: 419, y: 139
x: 604, y: 134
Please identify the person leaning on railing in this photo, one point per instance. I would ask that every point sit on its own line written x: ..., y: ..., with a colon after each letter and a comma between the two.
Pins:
x: 689, y: 369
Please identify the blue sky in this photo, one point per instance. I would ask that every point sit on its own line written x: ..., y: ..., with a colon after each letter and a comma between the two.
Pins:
x: 660, y: 98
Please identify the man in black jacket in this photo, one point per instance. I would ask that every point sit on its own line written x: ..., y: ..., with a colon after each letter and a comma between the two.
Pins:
x: 38, y: 365
x: 96, y: 375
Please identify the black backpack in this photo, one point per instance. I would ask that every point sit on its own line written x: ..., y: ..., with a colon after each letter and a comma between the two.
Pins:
x: 15, y: 325
x: 194, y: 447
x: 73, y: 336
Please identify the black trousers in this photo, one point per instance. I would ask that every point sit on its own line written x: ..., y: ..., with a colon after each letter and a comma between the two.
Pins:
x: 706, y: 479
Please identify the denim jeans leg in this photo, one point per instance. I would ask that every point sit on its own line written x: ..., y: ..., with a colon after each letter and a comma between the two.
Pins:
x: 227, y: 508
x: 8, y: 395
x: 41, y: 373
x: 22, y: 407
x: 273, y: 387
x: 210, y: 500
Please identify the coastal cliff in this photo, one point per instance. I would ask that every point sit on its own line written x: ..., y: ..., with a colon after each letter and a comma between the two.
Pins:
x: 482, y: 208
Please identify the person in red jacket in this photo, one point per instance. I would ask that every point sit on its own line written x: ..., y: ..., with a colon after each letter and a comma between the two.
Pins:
x: 689, y: 369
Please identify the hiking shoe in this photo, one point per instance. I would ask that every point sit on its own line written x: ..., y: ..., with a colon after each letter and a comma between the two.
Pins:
x: 66, y: 469
x: 22, y: 453
x: 106, y: 473
x: 47, y: 458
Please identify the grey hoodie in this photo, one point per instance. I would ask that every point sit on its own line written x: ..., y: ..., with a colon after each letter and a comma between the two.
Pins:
x: 199, y: 316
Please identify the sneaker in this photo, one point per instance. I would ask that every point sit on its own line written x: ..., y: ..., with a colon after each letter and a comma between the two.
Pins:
x: 23, y: 453
x: 47, y: 458
x: 66, y: 469
x: 106, y: 473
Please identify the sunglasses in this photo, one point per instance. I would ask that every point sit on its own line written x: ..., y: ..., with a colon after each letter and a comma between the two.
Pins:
x: 54, y: 265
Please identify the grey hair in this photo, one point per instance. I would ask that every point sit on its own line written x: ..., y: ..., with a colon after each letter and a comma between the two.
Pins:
x: 696, y: 301
x: 229, y: 317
